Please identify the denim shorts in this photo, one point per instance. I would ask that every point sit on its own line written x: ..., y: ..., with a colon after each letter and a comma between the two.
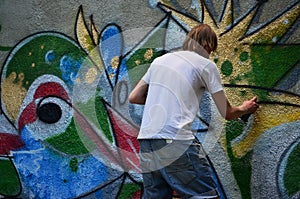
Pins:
x: 175, y: 165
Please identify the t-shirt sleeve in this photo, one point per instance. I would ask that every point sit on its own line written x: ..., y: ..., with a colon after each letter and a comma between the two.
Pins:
x: 211, y: 78
x: 146, y: 76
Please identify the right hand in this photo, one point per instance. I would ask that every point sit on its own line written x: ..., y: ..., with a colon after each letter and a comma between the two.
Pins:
x: 250, y: 106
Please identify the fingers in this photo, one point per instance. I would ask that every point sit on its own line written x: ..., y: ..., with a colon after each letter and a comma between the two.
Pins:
x: 254, y: 99
x: 253, y: 106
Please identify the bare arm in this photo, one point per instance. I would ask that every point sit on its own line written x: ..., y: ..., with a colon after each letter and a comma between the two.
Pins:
x: 230, y: 112
x: 139, y: 94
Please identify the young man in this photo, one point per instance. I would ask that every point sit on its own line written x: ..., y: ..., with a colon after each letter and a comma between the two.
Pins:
x: 172, y: 88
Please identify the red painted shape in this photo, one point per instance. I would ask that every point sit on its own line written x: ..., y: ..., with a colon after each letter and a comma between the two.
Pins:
x: 126, y: 139
x: 28, y: 116
x: 137, y: 195
x: 125, y: 153
x: 9, y: 142
x: 51, y: 88
x: 104, y: 148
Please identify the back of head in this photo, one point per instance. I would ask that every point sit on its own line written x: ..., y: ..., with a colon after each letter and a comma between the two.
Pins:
x: 201, y: 36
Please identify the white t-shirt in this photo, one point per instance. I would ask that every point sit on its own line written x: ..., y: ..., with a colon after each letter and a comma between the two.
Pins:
x: 176, y: 84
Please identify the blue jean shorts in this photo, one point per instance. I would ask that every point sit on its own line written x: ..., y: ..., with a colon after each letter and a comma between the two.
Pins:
x: 175, y: 165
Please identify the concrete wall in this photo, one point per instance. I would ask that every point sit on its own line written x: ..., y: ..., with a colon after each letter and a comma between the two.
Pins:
x: 68, y: 131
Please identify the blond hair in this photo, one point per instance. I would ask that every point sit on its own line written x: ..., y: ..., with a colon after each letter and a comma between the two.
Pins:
x: 202, y: 35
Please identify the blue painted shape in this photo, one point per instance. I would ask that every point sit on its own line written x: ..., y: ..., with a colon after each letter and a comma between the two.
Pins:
x: 47, y: 174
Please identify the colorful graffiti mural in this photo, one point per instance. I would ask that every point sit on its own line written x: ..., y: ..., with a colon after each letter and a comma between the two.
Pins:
x: 68, y: 130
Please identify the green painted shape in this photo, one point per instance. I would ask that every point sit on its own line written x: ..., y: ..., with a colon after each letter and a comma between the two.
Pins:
x: 241, y: 167
x: 9, y: 182
x: 244, y: 56
x: 102, y: 117
x: 33, y: 51
x: 69, y: 141
x: 156, y: 42
x: 135, y: 71
x: 270, y: 64
x: 129, y: 190
x: 226, y: 68
x: 292, y: 172
x: 74, y: 164
x: 234, y: 128
x: 95, y: 112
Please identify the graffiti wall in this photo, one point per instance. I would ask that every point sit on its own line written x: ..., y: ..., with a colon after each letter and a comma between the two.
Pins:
x: 67, y: 68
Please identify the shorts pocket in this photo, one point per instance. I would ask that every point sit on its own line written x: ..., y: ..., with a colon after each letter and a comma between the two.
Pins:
x: 181, y: 171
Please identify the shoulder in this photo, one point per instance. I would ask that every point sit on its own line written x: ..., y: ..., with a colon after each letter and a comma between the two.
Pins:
x: 194, y: 58
x: 192, y: 55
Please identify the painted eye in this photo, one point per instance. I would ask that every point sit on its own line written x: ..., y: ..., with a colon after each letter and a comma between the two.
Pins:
x: 46, y: 110
x: 53, y: 109
x: 49, y: 112
x: 53, y: 116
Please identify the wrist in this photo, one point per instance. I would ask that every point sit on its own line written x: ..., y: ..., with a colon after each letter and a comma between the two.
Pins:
x: 243, y: 109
